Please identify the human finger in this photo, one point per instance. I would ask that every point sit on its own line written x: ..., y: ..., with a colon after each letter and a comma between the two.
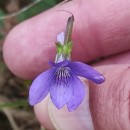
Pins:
x: 99, y: 30
x: 109, y: 102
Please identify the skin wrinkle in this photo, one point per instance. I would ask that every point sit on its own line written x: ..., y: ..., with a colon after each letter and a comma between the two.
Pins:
x: 121, y: 99
x: 124, y: 99
x: 116, y: 101
x: 121, y: 102
x: 106, y: 27
x: 116, y: 104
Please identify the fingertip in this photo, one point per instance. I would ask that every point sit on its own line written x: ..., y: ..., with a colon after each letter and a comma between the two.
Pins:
x: 97, y: 32
x: 31, y: 44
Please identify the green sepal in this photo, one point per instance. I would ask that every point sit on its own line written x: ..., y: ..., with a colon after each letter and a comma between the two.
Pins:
x: 64, y: 49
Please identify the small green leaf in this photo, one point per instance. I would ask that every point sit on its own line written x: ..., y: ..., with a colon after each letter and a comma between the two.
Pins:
x: 64, y: 50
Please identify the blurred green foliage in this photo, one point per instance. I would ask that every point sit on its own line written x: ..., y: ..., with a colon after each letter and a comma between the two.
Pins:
x: 32, y: 9
x: 1, y: 24
x: 19, y: 103
x: 37, y: 8
x: 1, y: 15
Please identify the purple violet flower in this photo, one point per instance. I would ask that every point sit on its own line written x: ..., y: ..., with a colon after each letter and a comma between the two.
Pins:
x: 62, y: 81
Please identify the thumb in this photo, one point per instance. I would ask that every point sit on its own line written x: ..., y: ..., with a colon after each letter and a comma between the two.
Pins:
x: 80, y: 119
x: 109, y: 103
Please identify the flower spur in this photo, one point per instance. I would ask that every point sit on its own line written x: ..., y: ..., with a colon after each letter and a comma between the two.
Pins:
x: 62, y: 79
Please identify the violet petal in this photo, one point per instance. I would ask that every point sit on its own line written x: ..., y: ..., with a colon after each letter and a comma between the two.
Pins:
x: 86, y: 71
x: 60, y: 38
x: 78, y: 94
x: 61, y: 93
x: 40, y: 87
x: 60, y: 64
x: 59, y: 57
